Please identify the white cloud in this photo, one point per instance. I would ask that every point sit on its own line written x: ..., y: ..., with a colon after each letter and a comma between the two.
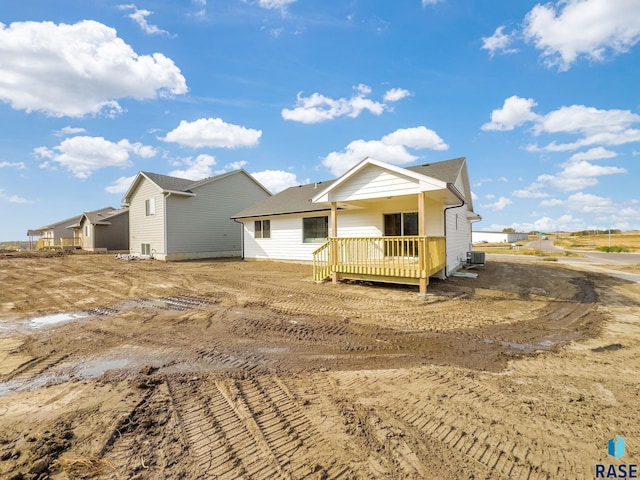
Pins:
x: 140, y: 17
x: 396, y: 94
x: 592, y: 204
x: 593, y: 29
x: 18, y: 165
x: 213, y: 132
x: 83, y: 155
x: 201, y: 9
x: 498, y: 42
x: 69, y: 130
x: 275, y: 4
x: 319, y: 108
x: 78, y: 69
x: 603, y: 138
x: 198, y: 168
x: 596, y: 126
x: 12, y: 198
x: 593, y: 154
x: 532, y: 191
x: 499, y: 204
x: 564, y: 222
x: 121, y: 185
x: 514, y: 112
x: 578, y: 175
x: 392, y: 148
x: 585, y: 120
x: 429, y: 2
x: 235, y: 165
x: 277, y: 180
x: 552, y: 202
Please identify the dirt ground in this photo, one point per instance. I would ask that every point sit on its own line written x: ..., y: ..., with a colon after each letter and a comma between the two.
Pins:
x: 114, y: 369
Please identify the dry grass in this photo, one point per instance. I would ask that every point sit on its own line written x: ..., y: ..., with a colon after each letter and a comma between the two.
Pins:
x: 80, y: 468
x: 629, y: 241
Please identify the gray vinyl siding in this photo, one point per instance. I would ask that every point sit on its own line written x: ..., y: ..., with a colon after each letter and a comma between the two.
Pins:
x: 143, y: 228
x: 200, y: 227
x: 114, y: 236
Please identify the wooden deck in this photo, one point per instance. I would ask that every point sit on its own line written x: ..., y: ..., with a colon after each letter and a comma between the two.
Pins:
x: 406, y: 260
x: 58, y: 243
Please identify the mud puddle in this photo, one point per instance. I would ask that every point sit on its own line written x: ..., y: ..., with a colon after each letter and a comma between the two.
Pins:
x: 10, y: 326
x: 125, y: 362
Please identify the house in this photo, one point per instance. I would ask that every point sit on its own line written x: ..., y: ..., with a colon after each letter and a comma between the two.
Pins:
x: 498, y: 237
x: 102, y: 230
x: 376, y: 222
x: 57, y: 235
x: 174, y: 218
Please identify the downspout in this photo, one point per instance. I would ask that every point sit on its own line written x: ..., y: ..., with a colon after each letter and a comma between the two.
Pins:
x: 241, y: 238
x: 471, y: 225
x: 451, y: 187
x: 166, y: 220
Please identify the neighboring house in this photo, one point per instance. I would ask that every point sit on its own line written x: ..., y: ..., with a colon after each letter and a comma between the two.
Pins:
x: 378, y: 222
x: 103, y: 230
x: 498, y: 237
x: 179, y: 219
x: 57, y: 235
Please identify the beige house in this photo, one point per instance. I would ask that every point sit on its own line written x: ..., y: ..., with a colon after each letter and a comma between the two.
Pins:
x: 103, y: 230
x: 174, y: 218
x: 58, y: 235
x: 378, y: 222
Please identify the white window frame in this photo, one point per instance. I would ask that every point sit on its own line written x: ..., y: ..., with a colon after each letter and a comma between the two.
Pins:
x: 260, y: 232
x: 150, y: 207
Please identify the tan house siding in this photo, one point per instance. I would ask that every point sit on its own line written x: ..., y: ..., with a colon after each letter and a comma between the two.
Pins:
x: 143, y: 228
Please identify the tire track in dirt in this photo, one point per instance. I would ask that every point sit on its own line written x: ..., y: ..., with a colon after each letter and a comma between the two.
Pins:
x: 35, y: 368
x: 250, y: 428
x: 469, y: 418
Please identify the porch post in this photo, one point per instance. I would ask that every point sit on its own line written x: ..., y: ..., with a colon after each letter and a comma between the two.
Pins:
x: 334, y: 234
x: 422, y: 250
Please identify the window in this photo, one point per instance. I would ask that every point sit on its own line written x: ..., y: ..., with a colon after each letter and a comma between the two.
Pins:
x: 150, y: 207
x: 145, y: 249
x: 315, y: 229
x: 400, y: 224
x: 86, y: 231
x: 262, y: 229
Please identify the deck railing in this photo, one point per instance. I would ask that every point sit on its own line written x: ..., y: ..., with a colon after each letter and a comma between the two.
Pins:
x: 397, y: 258
x: 47, y: 243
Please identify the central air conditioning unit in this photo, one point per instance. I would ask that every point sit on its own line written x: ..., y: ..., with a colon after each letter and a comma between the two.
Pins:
x: 475, y: 258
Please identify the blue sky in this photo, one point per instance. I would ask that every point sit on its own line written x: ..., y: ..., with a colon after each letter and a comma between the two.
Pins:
x: 543, y: 99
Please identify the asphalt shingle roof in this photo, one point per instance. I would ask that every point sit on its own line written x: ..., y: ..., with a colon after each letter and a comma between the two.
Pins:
x: 298, y: 199
x: 166, y: 182
x: 292, y: 200
x: 99, y: 216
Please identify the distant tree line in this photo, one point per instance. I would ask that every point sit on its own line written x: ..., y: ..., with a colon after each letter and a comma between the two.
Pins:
x: 585, y: 233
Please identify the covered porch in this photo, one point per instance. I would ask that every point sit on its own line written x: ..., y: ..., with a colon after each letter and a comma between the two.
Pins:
x: 409, y: 248
x: 399, y: 259
x: 403, y: 219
